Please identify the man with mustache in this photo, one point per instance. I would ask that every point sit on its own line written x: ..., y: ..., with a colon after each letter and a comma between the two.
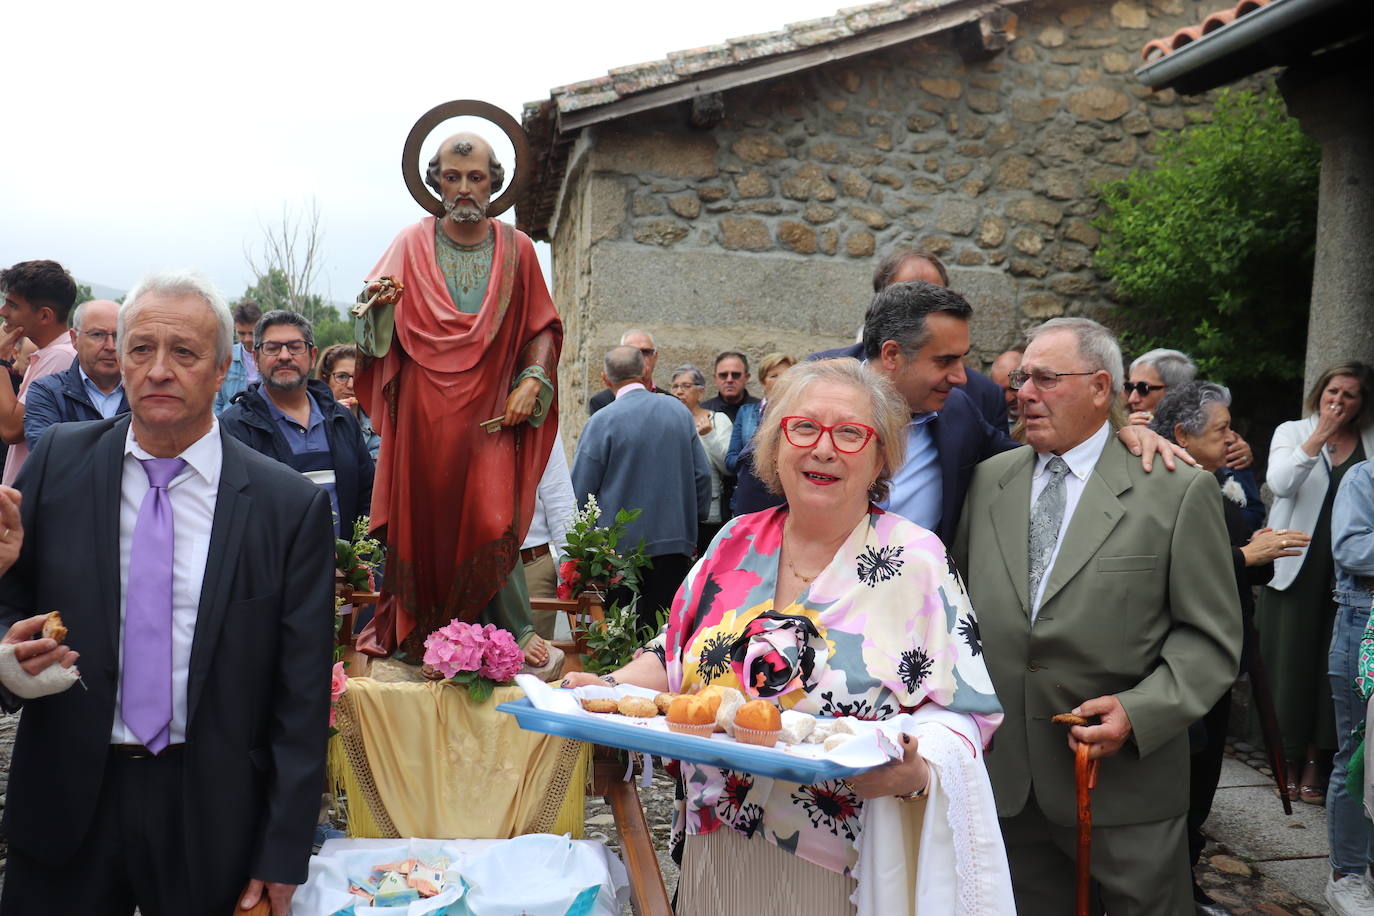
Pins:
x: 467, y: 335
x: 295, y: 419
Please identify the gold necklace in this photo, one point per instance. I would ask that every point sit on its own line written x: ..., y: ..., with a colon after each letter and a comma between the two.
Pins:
x: 787, y: 556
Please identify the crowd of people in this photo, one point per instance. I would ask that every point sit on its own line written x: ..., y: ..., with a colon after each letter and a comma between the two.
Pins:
x: 884, y: 533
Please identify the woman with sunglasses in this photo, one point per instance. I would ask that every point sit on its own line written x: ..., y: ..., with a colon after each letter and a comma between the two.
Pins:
x: 830, y: 606
x: 1307, y: 460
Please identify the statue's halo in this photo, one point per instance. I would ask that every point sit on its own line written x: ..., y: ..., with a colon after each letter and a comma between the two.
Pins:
x: 431, y: 119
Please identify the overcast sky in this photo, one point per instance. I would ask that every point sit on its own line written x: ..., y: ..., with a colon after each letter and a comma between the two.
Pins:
x: 155, y: 134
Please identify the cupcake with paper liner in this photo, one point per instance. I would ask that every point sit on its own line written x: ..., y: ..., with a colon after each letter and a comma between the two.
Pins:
x: 758, y: 722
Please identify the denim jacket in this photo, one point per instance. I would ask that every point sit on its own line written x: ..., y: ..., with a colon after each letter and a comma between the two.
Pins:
x: 1352, y: 537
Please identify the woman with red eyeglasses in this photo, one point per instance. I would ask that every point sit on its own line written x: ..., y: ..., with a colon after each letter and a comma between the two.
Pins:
x: 831, y: 606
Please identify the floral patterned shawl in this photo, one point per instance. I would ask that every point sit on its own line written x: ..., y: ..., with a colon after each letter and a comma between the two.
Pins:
x: 885, y: 629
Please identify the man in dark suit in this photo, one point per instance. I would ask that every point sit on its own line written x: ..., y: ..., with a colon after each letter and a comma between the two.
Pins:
x: 191, y: 763
x: 92, y: 388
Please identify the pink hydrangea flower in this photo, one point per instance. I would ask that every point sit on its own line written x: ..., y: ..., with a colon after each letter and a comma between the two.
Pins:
x: 502, y: 658
x: 455, y: 647
x: 338, y: 683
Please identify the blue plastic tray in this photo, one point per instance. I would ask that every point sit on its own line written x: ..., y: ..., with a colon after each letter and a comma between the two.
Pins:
x: 719, y: 751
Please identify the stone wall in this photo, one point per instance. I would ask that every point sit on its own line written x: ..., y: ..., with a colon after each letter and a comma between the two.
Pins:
x: 761, y: 234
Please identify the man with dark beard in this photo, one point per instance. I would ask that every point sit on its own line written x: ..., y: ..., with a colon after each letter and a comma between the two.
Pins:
x: 296, y: 420
x: 463, y: 332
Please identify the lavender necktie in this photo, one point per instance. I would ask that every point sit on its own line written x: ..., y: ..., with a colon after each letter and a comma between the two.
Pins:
x: 146, y: 701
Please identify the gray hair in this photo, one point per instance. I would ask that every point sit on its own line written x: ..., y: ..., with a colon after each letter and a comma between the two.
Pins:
x: 624, y: 364
x: 1172, y: 366
x: 283, y: 316
x: 1096, y: 345
x: 872, y: 390
x: 625, y: 338
x: 698, y: 379
x: 181, y: 282
x: 1185, y: 406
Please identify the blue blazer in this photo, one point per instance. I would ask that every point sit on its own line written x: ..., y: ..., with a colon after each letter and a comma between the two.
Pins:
x: 60, y: 398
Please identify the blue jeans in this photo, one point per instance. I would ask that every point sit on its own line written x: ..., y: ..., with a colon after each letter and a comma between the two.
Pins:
x: 1349, y: 832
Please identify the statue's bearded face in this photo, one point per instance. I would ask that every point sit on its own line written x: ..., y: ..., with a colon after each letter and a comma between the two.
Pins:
x: 465, y: 183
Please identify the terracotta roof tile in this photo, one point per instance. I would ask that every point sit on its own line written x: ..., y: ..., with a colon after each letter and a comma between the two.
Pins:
x: 1159, y: 47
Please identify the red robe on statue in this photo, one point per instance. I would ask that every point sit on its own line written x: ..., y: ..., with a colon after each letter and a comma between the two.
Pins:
x: 452, y: 502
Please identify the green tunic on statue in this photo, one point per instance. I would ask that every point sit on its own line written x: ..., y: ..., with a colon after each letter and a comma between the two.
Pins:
x: 466, y: 270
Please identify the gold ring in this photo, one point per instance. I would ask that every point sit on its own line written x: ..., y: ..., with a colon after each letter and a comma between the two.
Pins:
x: 1284, y: 543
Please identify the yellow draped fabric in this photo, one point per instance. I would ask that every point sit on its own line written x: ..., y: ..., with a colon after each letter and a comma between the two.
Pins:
x: 423, y: 760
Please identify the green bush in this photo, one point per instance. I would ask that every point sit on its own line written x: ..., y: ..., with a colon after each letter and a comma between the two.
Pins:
x: 1211, y: 250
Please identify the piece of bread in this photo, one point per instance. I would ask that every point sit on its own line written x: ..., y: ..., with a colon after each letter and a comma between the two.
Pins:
x: 601, y: 704
x: 639, y: 707
x: 53, y: 628
x: 796, y: 726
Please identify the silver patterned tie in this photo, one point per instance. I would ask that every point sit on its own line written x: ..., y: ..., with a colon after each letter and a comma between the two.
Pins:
x: 1046, y: 517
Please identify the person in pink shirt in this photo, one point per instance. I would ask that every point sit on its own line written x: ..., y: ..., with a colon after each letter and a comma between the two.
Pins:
x: 39, y: 296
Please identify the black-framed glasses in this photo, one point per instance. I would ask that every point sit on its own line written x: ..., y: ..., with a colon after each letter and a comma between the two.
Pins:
x: 804, y: 432
x: 1044, y: 379
x: 729, y: 375
x: 99, y: 338
x: 1141, y: 388
x: 343, y: 378
x: 273, y: 347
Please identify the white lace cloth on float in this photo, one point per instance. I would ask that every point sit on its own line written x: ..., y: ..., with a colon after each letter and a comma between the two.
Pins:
x: 954, y: 863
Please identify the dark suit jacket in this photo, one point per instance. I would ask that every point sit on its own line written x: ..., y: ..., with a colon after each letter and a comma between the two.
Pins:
x: 59, y: 398
x: 258, y: 690
x: 962, y: 439
x: 982, y: 391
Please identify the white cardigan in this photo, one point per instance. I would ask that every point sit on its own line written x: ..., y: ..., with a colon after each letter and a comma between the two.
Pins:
x: 1299, y: 482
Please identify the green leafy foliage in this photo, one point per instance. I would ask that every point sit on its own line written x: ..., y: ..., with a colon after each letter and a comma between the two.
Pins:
x: 358, y: 557
x: 1212, y: 249
x: 613, y: 641
x: 273, y: 291
x: 592, y: 558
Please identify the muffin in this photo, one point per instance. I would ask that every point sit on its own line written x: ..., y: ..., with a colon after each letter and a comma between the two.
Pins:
x: 691, y: 715
x: 758, y: 722
x: 664, y: 700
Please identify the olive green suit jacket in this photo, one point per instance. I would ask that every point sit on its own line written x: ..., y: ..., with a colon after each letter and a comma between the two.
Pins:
x: 1141, y: 603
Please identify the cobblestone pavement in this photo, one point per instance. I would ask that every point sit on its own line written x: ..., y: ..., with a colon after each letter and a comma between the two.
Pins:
x: 1232, y: 881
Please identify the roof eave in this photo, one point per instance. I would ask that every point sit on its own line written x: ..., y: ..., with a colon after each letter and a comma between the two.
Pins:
x: 1238, y: 48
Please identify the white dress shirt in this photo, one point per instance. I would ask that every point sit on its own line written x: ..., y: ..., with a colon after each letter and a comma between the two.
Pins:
x: 1081, y: 459
x: 554, y: 503
x: 192, y: 494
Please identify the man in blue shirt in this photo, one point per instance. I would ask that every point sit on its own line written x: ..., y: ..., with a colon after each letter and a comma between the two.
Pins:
x: 243, y: 367
x: 92, y: 388
x: 295, y: 419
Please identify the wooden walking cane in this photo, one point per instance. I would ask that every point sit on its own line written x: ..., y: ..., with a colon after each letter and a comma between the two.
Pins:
x: 1085, y: 780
